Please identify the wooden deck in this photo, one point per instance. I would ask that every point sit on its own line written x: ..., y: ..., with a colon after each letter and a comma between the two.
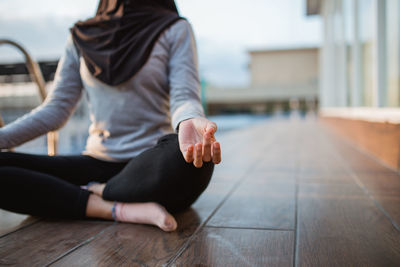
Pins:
x: 289, y: 193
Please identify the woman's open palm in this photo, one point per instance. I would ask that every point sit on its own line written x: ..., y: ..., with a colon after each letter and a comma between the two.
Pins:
x: 197, y: 142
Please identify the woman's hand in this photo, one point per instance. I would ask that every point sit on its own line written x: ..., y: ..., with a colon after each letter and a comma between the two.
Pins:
x: 197, y: 141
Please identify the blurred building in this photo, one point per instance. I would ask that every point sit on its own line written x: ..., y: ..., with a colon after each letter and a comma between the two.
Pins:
x: 360, y: 72
x: 286, y: 73
x: 281, y: 79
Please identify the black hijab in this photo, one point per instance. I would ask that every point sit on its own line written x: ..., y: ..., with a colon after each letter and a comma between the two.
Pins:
x: 117, y: 42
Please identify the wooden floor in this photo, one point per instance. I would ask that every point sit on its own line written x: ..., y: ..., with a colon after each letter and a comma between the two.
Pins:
x: 289, y: 193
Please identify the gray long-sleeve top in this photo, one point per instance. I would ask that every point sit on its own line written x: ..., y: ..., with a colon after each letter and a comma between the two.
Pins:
x: 125, y: 119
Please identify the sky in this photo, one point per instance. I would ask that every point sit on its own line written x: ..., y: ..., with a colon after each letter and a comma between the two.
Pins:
x: 225, y: 30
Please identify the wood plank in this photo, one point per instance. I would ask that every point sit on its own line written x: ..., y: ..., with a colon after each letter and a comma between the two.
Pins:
x: 44, y: 241
x: 376, y: 177
x: 282, y: 155
x: 318, y: 163
x: 240, y: 151
x: 134, y: 245
x: 11, y: 222
x: 216, y: 191
x: 382, y: 183
x: 266, y: 197
x: 323, y: 168
x: 239, y: 247
x: 264, y: 204
x: 338, y: 225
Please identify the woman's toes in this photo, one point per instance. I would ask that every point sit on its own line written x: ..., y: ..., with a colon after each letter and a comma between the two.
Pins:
x: 166, y: 221
x: 169, y: 224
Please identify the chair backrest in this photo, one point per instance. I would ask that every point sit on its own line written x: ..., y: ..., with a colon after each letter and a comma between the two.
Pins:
x: 37, y: 77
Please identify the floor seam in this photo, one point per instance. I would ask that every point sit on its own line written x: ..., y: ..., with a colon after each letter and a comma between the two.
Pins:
x: 83, y: 243
x: 20, y: 228
x: 296, y: 213
x: 250, y: 228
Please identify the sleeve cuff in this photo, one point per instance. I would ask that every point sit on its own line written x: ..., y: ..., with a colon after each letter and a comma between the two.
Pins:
x: 186, y: 111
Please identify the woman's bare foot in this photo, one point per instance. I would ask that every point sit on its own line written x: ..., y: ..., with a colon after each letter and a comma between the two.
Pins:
x: 146, y: 213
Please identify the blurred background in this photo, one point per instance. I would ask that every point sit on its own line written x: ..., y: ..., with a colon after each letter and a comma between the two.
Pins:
x: 333, y: 60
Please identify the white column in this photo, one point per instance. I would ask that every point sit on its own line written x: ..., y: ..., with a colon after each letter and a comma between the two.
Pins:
x: 380, y: 86
x: 393, y: 50
x: 327, y: 93
x: 357, y: 93
x: 341, y: 57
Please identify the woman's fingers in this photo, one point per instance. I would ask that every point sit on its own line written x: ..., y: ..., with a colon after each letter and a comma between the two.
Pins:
x: 207, y: 147
x: 211, y: 127
x: 216, y: 148
x: 198, y: 162
x: 189, y: 154
x: 199, y: 153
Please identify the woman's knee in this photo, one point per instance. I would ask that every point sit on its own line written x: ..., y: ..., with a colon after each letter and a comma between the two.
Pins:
x: 181, y: 183
x: 181, y: 190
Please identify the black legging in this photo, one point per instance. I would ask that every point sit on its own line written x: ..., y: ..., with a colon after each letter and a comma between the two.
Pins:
x: 49, y: 186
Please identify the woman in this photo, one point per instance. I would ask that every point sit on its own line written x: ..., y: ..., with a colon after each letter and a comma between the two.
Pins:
x: 136, y: 62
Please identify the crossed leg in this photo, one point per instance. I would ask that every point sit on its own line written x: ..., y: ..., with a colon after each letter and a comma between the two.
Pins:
x: 49, y: 186
x: 158, y: 175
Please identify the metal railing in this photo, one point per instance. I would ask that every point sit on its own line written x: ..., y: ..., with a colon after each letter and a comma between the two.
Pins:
x: 37, y: 77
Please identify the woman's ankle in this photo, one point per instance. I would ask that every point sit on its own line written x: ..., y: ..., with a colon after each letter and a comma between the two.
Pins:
x: 99, y: 208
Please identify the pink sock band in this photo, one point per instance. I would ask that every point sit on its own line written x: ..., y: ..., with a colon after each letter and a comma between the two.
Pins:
x: 118, y: 212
